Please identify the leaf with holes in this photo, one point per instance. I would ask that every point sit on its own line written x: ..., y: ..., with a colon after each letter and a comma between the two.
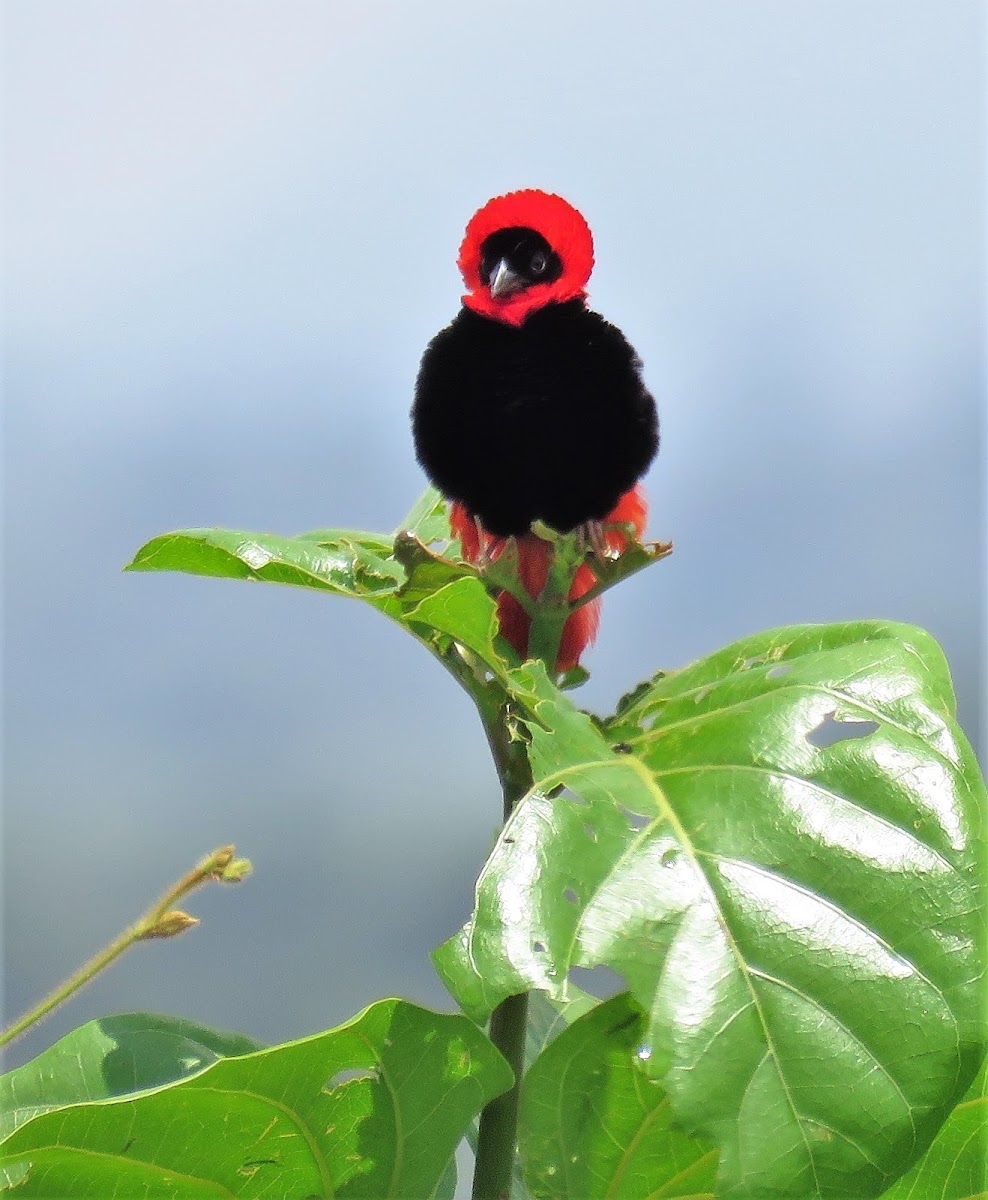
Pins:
x: 799, y: 911
x: 594, y: 1124
x: 374, y: 1108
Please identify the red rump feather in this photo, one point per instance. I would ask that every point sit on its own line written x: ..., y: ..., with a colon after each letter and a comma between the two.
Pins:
x: 562, y: 227
x: 533, y: 569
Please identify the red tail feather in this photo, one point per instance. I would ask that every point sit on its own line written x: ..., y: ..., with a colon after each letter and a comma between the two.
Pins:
x: 533, y: 569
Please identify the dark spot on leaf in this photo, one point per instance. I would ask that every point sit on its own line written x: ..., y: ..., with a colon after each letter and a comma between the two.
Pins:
x: 635, y: 820
x: 510, y: 841
x: 626, y: 1022
x: 571, y: 896
x: 776, y: 672
x: 621, y: 747
x: 538, y: 947
x: 831, y: 731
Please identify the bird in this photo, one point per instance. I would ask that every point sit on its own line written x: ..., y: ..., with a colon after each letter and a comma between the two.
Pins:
x: 529, y: 406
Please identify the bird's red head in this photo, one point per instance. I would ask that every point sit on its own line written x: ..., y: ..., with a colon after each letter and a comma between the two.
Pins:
x: 505, y: 295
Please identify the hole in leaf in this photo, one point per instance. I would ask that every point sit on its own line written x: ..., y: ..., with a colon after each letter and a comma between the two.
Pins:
x: 601, y: 982
x: 574, y: 798
x: 776, y: 672
x: 342, y: 1077
x: 831, y: 731
x: 635, y: 820
x: 669, y: 857
x: 589, y: 830
x: 571, y: 896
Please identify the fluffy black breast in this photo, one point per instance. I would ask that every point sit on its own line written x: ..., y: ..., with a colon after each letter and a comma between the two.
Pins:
x: 548, y: 420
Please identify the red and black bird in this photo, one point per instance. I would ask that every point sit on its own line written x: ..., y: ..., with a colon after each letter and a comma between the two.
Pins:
x: 531, y: 407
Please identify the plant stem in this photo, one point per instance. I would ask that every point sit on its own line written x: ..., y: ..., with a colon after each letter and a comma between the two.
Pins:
x: 498, y: 1132
x: 161, y: 920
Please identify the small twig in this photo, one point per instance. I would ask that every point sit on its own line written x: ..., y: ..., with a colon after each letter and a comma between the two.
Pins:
x: 162, y: 920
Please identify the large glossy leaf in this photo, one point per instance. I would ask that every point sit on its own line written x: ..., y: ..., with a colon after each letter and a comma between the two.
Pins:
x: 956, y: 1166
x: 781, y: 848
x: 374, y: 1108
x: 594, y: 1124
x: 110, y: 1057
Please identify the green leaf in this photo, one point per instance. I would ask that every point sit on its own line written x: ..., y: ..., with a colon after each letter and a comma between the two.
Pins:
x: 956, y: 1166
x: 428, y: 520
x: 346, y: 567
x: 109, y: 1057
x: 594, y: 1124
x: 374, y: 1108
x: 465, y: 611
x: 434, y: 597
x: 781, y: 848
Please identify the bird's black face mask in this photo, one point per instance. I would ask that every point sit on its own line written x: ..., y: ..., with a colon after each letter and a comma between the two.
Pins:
x: 517, y: 258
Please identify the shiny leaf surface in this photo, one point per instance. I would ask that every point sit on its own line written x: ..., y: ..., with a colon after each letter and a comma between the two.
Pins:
x: 374, y: 1108
x: 781, y: 848
x: 594, y: 1124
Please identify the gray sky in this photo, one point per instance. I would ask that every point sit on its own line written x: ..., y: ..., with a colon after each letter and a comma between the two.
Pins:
x: 231, y: 229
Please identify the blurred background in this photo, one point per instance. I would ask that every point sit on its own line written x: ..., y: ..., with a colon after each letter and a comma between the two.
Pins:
x: 231, y: 229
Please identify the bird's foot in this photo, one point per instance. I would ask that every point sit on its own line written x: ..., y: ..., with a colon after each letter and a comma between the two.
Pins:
x: 590, y: 536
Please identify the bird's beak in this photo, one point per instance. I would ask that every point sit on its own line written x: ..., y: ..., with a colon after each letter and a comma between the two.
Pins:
x: 504, y: 281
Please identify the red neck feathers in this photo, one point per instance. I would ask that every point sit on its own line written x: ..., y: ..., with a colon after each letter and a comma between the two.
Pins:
x: 561, y: 226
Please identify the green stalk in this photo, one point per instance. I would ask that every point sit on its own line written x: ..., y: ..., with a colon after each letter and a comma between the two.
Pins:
x: 498, y: 1132
x: 162, y: 920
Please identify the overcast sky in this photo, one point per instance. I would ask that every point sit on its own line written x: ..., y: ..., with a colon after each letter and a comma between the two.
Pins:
x: 231, y: 229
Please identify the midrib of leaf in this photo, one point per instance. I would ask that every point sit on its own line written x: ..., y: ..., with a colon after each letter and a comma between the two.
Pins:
x: 665, y: 810
x: 632, y: 1146
x: 680, y: 1176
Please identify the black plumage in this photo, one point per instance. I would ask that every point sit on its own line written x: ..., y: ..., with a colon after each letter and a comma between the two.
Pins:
x: 547, y: 420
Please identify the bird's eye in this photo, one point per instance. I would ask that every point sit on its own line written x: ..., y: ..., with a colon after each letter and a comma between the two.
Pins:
x: 539, y: 263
